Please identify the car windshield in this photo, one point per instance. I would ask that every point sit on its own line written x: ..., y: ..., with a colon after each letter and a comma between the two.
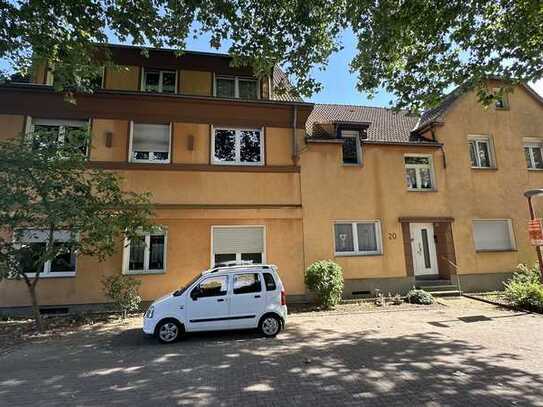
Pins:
x: 183, y: 289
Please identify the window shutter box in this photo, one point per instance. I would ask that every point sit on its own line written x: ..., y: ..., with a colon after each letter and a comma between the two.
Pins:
x: 238, y: 240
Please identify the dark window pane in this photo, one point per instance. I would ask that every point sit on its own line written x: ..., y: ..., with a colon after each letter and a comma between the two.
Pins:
x: 250, y: 146
x: 141, y: 155
x: 425, y: 248
x: 350, y: 151
x: 225, y: 87
x: 225, y: 145
x: 159, y: 155
x: 417, y: 160
x: 137, y: 250
x: 213, y: 287
x: 64, y: 262
x: 411, y: 176
x: 367, y: 239
x: 528, y: 157
x: 344, y: 237
x: 538, y: 159
x: 156, y: 252
x: 45, y: 135
x: 77, y: 137
x: 223, y: 258
x: 152, y: 80
x: 270, y: 282
x: 425, y: 178
x: 247, y: 283
x: 247, y: 89
x: 168, y: 82
x: 484, y: 154
x: 256, y: 258
x: 473, y: 154
x: 29, y: 255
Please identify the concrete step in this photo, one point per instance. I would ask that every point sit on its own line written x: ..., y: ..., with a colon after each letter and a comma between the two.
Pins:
x: 451, y: 293
x: 422, y: 283
x: 432, y: 288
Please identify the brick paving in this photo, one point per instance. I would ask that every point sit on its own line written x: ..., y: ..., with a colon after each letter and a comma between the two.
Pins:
x: 463, y: 354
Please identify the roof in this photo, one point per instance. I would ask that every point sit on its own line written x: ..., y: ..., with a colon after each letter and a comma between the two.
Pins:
x: 384, y: 125
x: 280, y: 80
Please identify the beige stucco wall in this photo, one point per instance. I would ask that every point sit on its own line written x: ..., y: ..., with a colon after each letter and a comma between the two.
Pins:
x: 123, y: 78
x: 195, y: 82
x: 11, y: 126
x: 119, y: 140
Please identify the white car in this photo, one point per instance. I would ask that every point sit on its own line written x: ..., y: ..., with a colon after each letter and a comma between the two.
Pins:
x: 225, y: 297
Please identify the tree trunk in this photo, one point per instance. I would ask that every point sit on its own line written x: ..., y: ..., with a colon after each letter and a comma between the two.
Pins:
x: 35, y: 308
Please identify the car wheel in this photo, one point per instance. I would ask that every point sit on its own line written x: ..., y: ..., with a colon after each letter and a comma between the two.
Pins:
x: 270, y: 326
x: 168, y: 331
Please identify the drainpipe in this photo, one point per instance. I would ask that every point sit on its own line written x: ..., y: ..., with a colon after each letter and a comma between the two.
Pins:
x: 294, y: 139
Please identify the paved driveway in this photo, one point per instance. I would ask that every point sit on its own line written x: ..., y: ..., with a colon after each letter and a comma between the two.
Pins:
x: 465, y: 354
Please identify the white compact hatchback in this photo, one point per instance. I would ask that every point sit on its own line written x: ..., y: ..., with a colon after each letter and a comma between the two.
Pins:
x: 226, y: 297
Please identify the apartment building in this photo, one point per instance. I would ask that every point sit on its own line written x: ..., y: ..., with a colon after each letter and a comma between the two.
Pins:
x: 238, y: 171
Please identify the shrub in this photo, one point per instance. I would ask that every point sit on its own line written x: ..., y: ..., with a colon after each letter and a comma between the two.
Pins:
x: 524, y: 289
x: 325, y: 278
x: 415, y: 296
x: 123, y: 290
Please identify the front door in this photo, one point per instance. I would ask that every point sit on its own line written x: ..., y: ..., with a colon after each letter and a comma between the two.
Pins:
x: 423, y: 247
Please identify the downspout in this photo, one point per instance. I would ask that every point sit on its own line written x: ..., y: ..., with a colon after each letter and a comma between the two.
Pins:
x: 294, y: 138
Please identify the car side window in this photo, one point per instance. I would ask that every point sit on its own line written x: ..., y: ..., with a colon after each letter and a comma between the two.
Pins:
x: 247, y: 283
x: 213, y: 286
x: 270, y: 282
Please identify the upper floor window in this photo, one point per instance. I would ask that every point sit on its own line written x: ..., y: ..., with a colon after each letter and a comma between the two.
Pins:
x: 159, y: 81
x: 419, y: 173
x: 236, y: 87
x: 237, y: 146
x: 60, y: 131
x: 501, y: 101
x: 146, y: 254
x: 358, y: 238
x: 480, y: 152
x: 351, y: 149
x: 533, y: 152
x: 150, y: 143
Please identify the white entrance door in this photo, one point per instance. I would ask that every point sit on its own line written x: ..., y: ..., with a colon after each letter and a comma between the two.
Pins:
x: 423, y: 248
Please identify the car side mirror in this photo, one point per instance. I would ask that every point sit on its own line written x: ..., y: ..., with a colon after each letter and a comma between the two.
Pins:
x: 195, y: 293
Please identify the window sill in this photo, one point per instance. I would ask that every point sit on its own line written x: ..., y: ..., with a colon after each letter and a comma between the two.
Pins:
x: 496, y: 251
x: 52, y: 275
x: 143, y: 272
x: 357, y: 254
x: 485, y: 168
x: 149, y: 162
x: 422, y: 190
x: 535, y: 169
x: 357, y: 165
x: 240, y: 164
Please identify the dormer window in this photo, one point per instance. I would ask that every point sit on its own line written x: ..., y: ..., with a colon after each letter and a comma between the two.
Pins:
x: 159, y: 81
x: 236, y: 87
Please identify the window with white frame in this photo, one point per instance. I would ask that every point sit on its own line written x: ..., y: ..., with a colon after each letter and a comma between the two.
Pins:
x: 150, y: 142
x: 351, y: 150
x: 358, y: 238
x: 155, y: 80
x: 237, y: 146
x: 419, y: 173
x: 533, y: 152
x: 236, y: 87
x: 493, y: 234
x: 33, y: 246
x: 146, y: 253
x: 480, y: 152
x: 60, y: 131
x: 237, y: 243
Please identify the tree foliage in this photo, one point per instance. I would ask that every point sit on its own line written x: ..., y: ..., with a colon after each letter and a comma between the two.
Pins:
x: 415, y: 49
x: 45, y: 187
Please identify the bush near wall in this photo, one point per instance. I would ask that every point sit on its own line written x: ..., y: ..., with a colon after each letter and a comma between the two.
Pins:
x: 524, y: 289
x: 325, y: 278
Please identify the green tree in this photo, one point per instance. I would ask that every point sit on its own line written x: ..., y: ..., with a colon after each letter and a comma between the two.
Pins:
x: 45, y: 188
x: 415, y: 49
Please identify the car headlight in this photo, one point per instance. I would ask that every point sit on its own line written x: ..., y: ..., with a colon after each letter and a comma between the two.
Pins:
x: 150, y: 312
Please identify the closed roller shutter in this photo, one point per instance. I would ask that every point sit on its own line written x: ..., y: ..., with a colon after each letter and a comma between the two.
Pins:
x: 238, y: 240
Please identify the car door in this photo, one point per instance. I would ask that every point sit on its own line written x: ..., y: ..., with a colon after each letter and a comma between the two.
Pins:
x: 247, y: 300
x: 208, y: 305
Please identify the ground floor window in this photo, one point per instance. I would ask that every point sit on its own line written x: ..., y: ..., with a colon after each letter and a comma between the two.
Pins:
x: 358, y: 238
x: 236, y: 244
x: 146, y: 254
x: 493, y: 234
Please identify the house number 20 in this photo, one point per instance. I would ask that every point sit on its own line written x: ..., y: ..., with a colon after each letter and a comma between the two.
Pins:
x: 392, y: 236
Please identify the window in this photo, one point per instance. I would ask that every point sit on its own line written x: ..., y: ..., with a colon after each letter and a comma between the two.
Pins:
x: 351, y: 147
x: 270, y: 282
x: 480, y: 152
x: 533, y: 154
x: 34, y: 242
x: 237, y: 147
x: 159, y: 81
x: 247, y: 283
x: 419, y: 173
x: 60, y: 131
x: 493, y: 235
x: 213, y: 287
x: 236, y: 87
x: 150, y: 143
x: 358, y: 238
x: 501, y: 101
x: 231, y: 243
x: 146, y: 254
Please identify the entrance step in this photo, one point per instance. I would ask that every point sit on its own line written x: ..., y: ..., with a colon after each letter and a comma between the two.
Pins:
x: 438, y: 287
x: 431, y: 283
x: 451, y: 293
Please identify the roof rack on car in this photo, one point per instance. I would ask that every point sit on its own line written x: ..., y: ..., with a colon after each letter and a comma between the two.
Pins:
x: 234, y: 264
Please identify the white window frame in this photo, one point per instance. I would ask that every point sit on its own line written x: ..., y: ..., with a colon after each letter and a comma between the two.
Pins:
x: 357, y: 252
x: 30, y: 126
x: 47, y: 273
x: 532, y: 143
x: 238, y: 255
x: 356, y: 135
x: 160, y: 79
x: 131, y: 158
x: 237, y: 80
x: 237, y: 146
x: 417, y: 168
x: 477, y: 138
x: 511, y: 235
x: 147, y: 237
